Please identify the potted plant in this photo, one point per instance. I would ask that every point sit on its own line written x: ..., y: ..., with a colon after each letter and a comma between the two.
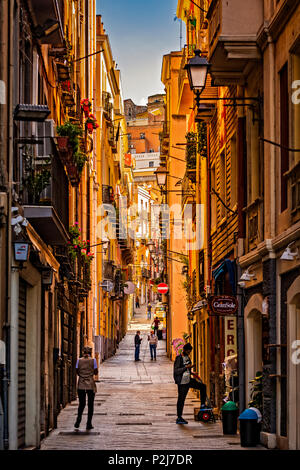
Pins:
x: 66, y: 85
x: 68, y: 138
x: 86, y: 106
x: 91, y: 123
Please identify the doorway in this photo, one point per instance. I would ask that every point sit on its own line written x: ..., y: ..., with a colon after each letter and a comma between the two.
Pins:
x: 253, y: 348
x: 294, y: 371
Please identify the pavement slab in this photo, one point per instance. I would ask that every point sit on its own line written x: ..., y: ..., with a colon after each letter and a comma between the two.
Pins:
x: 135, y: 407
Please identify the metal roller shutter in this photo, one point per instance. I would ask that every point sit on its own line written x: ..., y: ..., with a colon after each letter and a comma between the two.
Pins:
x: 22, y: 365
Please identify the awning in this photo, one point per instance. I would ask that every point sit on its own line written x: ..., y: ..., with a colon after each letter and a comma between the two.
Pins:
x: 227, y: 266
x: 199, y: 305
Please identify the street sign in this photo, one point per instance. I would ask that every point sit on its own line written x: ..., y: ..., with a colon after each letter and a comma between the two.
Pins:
x: 163, y: 288
x: 223, y: 305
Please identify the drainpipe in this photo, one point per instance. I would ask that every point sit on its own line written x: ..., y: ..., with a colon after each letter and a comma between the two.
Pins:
x: 10, y: 74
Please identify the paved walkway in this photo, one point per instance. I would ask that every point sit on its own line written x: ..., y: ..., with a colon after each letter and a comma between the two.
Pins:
x: 135, y: 407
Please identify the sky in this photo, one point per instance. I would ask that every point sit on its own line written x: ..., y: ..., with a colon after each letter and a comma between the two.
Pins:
x: 140, y: 33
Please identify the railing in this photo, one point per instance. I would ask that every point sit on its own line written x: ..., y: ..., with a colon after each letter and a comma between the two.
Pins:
x: 46, y: 184
x: 107, y: 194
x: 107, y: 105
x: 108, y: 270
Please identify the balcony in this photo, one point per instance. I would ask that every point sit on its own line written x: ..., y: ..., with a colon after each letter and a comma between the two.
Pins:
x: 107, y: 105
x: 45, y: 202
x: 44, y: 10
x: 107, y: 194
x: 233, y: 28
x: 108, y: 270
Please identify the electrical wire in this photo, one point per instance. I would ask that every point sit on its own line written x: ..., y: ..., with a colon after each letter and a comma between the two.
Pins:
x: 200, y: 8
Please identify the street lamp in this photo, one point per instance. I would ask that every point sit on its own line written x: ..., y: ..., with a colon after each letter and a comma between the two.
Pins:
x: 161, y: 177
x: 197, y: 70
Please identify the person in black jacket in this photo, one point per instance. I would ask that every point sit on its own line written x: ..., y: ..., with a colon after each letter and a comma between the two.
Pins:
x: 137, y: 343
x: 182, y: 376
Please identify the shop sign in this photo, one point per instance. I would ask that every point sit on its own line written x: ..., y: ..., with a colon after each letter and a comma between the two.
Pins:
x: 223, y: 305
x: 230, y: 336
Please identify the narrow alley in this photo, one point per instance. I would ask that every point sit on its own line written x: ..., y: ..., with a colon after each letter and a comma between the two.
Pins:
x: 139, y: 399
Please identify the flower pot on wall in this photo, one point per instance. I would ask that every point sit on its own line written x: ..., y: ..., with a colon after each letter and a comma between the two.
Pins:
x: 63, y: 144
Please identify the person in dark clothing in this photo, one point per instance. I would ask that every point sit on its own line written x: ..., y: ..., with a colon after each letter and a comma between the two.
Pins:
x: 156, y: 323
x: 137, y: 302
x: 137, y: 343
x: 86, y: 368
x: 182, y: 377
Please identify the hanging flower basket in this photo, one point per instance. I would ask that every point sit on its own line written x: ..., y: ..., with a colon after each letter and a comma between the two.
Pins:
x: 86, y: 106
x: 66, y: 85
x: 91, y: 123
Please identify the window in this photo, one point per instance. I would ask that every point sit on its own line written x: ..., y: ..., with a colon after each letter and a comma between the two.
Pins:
x: 142, y: 135
x: 284, y: 133
x: 151, y: 164
x: 213, y: 199
x: 234, y: 172
x: 222, y: 184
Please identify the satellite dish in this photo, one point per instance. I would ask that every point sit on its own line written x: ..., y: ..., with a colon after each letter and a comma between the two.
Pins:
x: 129, y: 288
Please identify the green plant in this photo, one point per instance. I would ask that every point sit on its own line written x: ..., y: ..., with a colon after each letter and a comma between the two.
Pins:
x: 256, y: 393
x: 202, y: 139
x: 68, y: 129
x: 74, y: 132
x: 191, y: 150
x: 185, y: 336
x: 37, y: 177
x: 80, y: 159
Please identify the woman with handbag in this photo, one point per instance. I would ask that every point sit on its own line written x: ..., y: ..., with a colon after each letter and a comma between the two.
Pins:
x: 86, y: 369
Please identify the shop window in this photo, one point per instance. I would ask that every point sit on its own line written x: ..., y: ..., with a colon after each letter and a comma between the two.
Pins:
x: 151, y: 164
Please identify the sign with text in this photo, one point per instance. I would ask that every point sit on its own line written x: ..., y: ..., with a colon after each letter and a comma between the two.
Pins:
x: 230, y: 336
x: 163, y: 288
x: 223, y: 305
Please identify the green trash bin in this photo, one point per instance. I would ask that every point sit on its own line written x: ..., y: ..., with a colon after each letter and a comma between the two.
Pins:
x: 230, y: 418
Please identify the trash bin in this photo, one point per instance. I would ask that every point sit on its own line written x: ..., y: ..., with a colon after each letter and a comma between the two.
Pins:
x: 249, y: 428
x: 229, y: 418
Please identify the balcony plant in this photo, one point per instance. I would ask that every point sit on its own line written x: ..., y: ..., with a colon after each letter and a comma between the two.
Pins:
x: 256, y: 393
x: 66, y: 85
x: 36, y: 178
x: 86, y: 106
x: 68, y: 136
x: 191, y: 150
x: 91, y: 123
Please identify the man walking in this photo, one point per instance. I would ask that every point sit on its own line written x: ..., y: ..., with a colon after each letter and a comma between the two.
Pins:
x: 137, y: 302
x: 182, y: 377
x: 156, y: 323
x: 137, y: 343
x: 86, y: 368
x: 149, y: 308
x: 153, y: 340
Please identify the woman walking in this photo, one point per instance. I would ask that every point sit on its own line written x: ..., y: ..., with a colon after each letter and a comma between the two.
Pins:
x: 86, y: 368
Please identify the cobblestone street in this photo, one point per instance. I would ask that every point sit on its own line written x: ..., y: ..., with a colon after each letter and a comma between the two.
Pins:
x: 135, y: 407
